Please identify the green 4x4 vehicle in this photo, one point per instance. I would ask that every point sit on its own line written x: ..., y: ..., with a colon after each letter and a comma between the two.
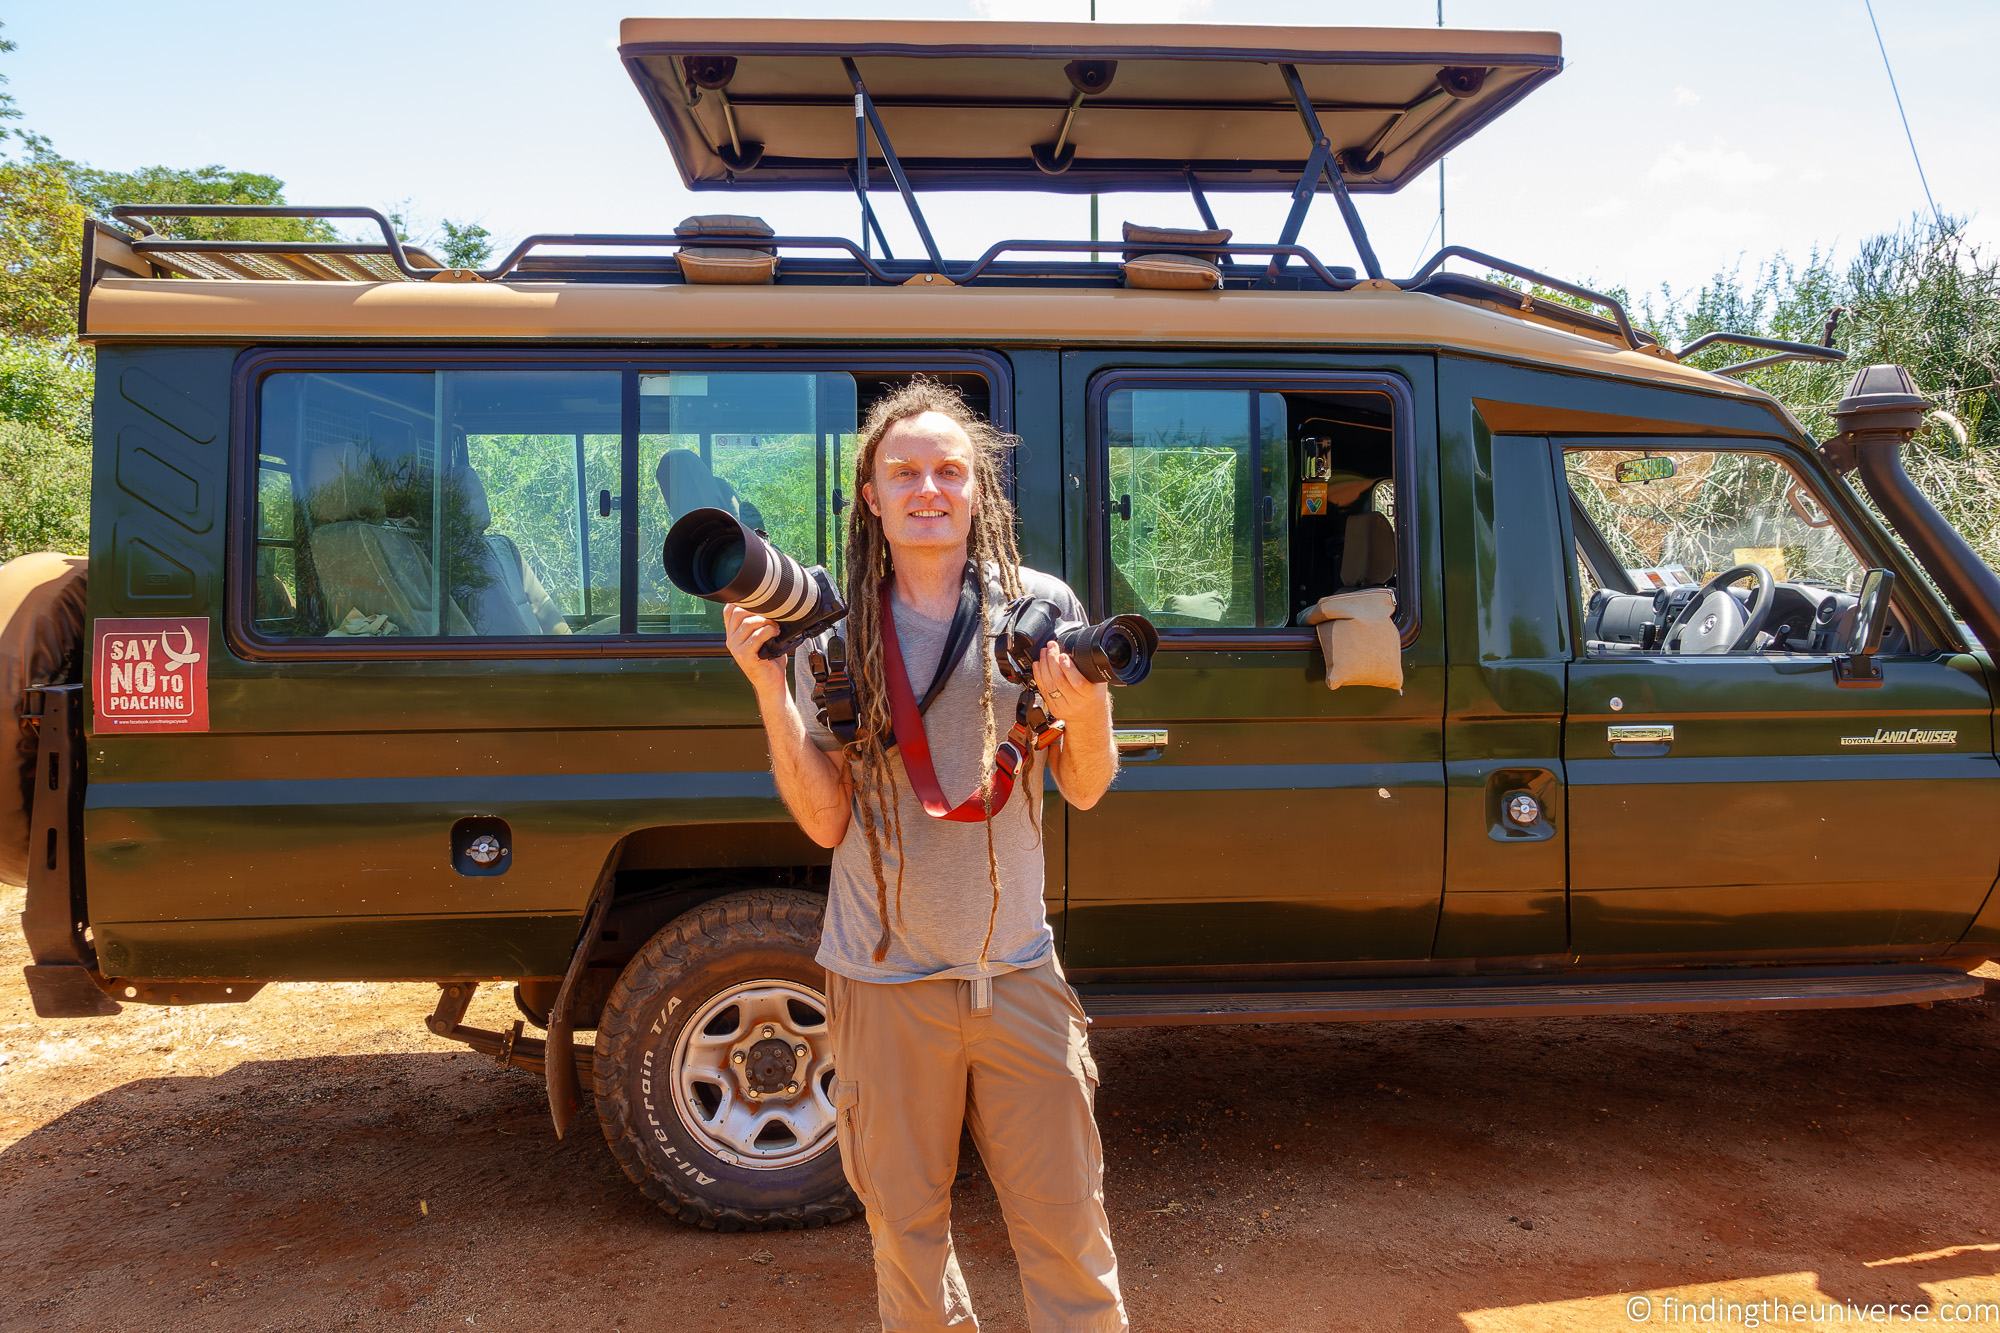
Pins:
x: 380, y: 677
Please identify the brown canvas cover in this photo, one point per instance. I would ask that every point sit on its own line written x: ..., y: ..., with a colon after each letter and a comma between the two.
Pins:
x: 41, y: 642
x: 1358, y: 638
x: 965, y: 103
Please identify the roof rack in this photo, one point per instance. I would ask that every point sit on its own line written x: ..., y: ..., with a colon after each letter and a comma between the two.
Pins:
x: 309, y: 260
x: 838, y: 260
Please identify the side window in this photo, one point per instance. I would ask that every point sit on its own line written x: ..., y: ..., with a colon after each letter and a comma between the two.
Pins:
x: 1240, y: 505
x: 436, y: 503
x: 1674, y: 519
x: 487, y: 503
x: 775, y: 448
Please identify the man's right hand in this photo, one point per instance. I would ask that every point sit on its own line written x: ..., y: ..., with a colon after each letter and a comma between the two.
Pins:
x: 745, y: 634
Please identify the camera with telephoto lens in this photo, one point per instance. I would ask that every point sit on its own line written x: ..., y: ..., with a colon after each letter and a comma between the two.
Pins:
x: 1119, y: 650
x: 711, y: 554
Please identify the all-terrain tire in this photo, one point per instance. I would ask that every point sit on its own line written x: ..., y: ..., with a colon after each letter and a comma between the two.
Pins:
x: 41, y: 643
x: 729, y: 945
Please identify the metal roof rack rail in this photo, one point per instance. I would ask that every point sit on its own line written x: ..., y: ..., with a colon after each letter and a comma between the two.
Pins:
x: 1783, y: 349
x: 1633, y: 340
x: 248, y: 259
x: 320, y: 260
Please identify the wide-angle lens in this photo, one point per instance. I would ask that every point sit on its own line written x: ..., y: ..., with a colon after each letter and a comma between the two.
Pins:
x: 1118, y: 650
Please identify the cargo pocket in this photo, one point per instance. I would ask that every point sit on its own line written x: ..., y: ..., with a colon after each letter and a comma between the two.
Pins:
x: 847, y: 1131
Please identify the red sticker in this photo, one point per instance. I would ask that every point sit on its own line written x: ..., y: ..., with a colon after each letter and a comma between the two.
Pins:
x: 151, y: 674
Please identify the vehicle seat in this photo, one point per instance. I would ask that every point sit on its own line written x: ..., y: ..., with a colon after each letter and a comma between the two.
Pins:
x: 373, y: 577
x: 1367, y: 552
x: 687, y: 484
x: 272, y: 602
x: 726, y: 265
x: 1367, y: 557
x: 502, y: 593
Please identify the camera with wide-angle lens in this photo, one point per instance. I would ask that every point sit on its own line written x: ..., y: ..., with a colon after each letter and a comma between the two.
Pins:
x: 713, y: 555
x: 1119, y: 650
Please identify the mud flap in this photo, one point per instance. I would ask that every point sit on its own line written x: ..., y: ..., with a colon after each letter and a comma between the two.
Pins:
x: 559, y: 1068
x: 61, y: 979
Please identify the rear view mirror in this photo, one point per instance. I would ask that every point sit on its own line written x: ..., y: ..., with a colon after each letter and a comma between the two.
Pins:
x: 1806, y: 505
x: 1646, y: 469
x: 1858, y: 668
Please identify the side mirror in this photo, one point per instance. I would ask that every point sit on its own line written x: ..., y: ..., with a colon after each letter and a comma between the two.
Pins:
x: 1858, y: 667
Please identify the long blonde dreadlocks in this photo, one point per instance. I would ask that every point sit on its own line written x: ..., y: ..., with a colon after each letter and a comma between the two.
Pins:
x: 991, y: 548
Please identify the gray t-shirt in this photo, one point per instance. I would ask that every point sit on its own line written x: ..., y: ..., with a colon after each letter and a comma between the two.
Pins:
x: 946, y: 892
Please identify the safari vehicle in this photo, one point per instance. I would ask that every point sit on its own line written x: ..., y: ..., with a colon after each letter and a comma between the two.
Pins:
x: 382, y: 679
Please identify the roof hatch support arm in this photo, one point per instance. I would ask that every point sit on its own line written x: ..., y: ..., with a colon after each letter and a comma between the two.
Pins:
x: 1201, y: 202
x: 1320, y: 162
x: 860, y: 177
x: 864, y: 107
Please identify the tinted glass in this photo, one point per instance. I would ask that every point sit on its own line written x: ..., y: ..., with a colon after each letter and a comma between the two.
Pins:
x: 1718, y: 508
x: 448, y: 503
x: 1241, y: 507
x: 769, y: 447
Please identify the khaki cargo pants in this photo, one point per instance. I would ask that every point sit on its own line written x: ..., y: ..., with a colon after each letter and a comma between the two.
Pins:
x: 1007, y: 1056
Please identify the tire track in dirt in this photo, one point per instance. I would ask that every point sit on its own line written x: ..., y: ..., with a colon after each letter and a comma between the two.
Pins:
x: 315, y: 1159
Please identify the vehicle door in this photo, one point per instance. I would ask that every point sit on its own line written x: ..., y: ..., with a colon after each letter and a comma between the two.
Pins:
x: 1727, y: 796
x: 1260, y: 820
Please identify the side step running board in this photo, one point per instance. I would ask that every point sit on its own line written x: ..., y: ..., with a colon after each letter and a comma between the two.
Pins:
x: 1732, y: 990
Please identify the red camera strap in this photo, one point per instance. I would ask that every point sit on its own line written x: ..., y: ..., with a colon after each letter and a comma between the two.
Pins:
x: 915, y: 746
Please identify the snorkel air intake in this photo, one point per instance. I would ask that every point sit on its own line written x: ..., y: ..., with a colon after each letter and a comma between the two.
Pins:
x: 1881, y: 412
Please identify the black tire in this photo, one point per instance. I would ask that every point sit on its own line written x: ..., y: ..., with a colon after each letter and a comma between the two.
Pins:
x: 41, y: 643
x: 729, y: 946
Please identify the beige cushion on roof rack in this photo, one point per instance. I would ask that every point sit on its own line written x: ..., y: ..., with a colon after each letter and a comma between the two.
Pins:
x: 1166, y: 238
x: 730, y: 265
x: 1173, y: 273
x: 723, y: 224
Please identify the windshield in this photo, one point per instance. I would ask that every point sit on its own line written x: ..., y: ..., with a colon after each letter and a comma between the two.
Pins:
x: 1674, y: 517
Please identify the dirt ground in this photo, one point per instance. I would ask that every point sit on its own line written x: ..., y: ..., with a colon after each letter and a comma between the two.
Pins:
x: 314, y: 1159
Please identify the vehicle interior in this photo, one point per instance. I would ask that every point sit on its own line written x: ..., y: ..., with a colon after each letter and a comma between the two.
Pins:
x: 1719, y: 559
x: 1208, y: 531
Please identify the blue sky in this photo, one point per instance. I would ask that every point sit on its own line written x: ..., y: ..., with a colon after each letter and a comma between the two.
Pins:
x: 1679, y: 140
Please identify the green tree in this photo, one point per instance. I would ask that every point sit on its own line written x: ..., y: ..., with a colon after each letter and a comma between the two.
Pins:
x: 466, y: 245
x: 8, y: 111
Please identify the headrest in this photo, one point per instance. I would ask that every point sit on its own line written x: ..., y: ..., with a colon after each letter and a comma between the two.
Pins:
x: 343, y: 485
x: 1368, y: 554
x: 472, y: 493
x: 686, y: 484
x: 1172, y: 273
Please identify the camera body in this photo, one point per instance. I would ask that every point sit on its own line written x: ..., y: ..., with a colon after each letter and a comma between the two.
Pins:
x: 1119, y: 650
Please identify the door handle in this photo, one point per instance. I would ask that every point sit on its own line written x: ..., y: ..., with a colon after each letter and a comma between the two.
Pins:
x: 1138, y: 740
x: 1640, y: 740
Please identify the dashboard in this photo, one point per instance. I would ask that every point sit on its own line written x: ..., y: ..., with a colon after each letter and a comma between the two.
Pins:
x: 1805, y: 618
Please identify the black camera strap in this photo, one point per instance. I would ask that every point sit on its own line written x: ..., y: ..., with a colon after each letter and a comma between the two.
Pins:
x: 833, y: 685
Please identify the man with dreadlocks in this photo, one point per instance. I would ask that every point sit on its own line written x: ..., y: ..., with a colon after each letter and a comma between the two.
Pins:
x: 945, y: 1000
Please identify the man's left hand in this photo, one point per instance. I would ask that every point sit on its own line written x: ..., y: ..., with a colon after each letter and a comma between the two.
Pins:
x: 1066, y: 695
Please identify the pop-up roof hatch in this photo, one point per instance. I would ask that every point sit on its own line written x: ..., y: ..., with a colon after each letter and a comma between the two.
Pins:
x: 1072, y: 107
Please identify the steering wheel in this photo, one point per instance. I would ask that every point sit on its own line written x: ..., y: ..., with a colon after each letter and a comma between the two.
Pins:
x: 1712, y: 621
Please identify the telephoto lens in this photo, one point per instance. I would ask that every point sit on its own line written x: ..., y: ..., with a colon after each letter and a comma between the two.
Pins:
x: 712, y: 555
x: 1119, y: 650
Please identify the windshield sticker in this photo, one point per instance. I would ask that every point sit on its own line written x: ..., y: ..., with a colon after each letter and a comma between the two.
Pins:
x: 1884, y: 736
x: 151, y: 674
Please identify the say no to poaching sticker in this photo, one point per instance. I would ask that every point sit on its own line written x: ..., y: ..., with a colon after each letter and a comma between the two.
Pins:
x: 151, y: 673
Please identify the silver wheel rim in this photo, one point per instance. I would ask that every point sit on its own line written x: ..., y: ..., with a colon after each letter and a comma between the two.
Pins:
x: 713, y: 1088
